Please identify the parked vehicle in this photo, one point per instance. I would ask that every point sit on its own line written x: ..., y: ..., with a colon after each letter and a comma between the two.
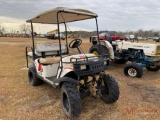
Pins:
x: 14, y: 35
x: 1, y: 35
x: 77, y: 75
x: 145, y: 38
x: 109, y: 36
x: 131, y: 37
x: 151, y: 38
x: 61, y: 36
x: 140, y: 54
x: 50, y: 36
x: 55, y: 36
x: 40, y: 36
x: 156, y: 39
x: 139, y: 38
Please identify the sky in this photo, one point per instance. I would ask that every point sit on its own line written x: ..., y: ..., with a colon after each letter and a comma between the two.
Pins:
x: 113, y: 15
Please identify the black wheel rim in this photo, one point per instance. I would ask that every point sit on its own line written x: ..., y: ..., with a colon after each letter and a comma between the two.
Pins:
x: 65, y: 102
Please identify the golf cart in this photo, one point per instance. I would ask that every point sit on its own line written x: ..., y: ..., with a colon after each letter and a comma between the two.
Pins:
x: 78, y: 75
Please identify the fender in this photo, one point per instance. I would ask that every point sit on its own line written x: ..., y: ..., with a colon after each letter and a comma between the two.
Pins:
x: 32, y: 65
x: 109, y: 46
x: 66, y: 79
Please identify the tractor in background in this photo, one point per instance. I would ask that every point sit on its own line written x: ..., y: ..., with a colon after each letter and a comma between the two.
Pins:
x: 141, y: 55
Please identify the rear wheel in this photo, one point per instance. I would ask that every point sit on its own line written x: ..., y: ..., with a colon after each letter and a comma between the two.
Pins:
x: 133, y: 70
x: 33, y: 79
x: 99, y: 50
x: 70, y: 98
x: 110, y: 90
x: 153, y: 68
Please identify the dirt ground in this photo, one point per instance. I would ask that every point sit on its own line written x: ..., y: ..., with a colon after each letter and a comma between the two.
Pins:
x: 139, y: 98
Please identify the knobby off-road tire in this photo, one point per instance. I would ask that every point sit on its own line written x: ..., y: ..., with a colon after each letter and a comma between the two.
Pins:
x: 133, y: 70
x: 153, y: 68
x: 71, y: 101
x: 120, y: 61
x: 33, y: 79
x: 99, y: 50
x: 111, y: 89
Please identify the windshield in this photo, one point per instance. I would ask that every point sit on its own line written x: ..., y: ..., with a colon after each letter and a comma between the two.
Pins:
x: 102, y: 34
x: 112, y: 34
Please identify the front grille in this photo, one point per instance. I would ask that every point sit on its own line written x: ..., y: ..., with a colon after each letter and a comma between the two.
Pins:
x: 97, y: 66
x: 91, y: 67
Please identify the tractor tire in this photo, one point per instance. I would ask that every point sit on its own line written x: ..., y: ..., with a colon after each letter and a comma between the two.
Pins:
x: 153, y: 68
x: 71, y: 100
x: 110, y: 90
x: 121, y: 61
x: 33, y: 79
x: 133, y: 70
x: 102, y: 50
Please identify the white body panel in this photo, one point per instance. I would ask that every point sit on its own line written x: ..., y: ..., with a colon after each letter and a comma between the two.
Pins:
x: 66, y: 69
x: 67, y: 59
x: 49, y: 70
x: 149, y: 49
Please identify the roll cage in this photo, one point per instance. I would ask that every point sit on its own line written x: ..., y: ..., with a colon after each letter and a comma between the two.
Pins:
x: 59, y: 16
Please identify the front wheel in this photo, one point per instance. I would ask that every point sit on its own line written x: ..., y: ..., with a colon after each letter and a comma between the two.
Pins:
x: 133, y: 70
x: 153, y: 68
x: 109, y: 89
x: 70, y: 98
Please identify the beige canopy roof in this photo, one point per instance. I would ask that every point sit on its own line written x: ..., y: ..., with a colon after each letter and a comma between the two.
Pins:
x: 66, y: 15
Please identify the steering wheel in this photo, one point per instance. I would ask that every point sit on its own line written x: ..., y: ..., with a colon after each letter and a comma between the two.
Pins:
x: 75, y: 43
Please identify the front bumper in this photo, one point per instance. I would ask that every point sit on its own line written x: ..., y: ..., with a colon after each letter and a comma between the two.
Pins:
x: 90, y: 67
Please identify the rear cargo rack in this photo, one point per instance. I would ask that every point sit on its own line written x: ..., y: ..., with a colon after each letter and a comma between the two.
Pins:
x: 86, y: 59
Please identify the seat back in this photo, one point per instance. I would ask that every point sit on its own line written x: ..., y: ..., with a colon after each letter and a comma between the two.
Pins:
x: 46, y: 48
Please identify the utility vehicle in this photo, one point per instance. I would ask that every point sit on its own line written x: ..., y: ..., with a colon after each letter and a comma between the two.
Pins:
x: 140, y: 54
x: 77, y: 75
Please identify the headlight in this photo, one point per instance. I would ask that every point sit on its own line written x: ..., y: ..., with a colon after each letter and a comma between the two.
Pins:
x: 83, y: 67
